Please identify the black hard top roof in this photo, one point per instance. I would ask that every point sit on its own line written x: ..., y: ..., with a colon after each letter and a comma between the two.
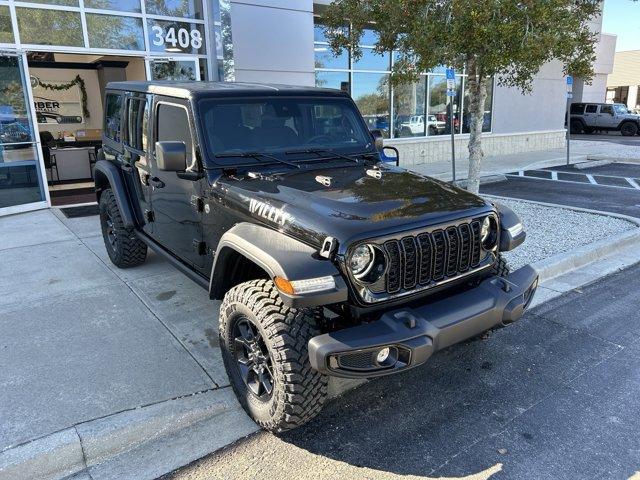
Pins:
x: 221, y: 89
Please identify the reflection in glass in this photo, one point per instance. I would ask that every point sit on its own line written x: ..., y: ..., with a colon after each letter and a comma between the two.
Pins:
x: 369, y: 37
x: 49, y: 27
x: 121, y: 5
x: 173, y: 70
x: 175, y: 8
x: 112, y: 32
x: 486, y: 124
x: 226, y: 37
x: 318, y: 30
x: 408, y: 109
x: 370, y: 91
x: 15, y: 121
x: 372, y: 61
x: 337, y: 80
x: 19, y: 183
x: 439, y: 104
x: 6, y: 32
x: 324, y: 58
x: 175, y: 37
x: 66, y: 3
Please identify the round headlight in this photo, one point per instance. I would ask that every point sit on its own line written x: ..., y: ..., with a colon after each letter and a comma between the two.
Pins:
x: 361, y: 260
x: 489, y: 232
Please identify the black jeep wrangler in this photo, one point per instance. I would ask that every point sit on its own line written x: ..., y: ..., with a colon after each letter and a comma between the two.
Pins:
x: 328, y: 260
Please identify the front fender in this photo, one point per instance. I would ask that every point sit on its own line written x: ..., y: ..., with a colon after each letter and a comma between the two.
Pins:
x: 107, y: 175
x: 279, y: 256
x: 512, y: 233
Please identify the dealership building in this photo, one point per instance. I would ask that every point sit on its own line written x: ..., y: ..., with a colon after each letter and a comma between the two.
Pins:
x: 56, y: 57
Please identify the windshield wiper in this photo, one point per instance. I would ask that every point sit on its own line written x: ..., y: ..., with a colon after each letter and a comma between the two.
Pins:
x: 321, y: 151
x: 256, y: 155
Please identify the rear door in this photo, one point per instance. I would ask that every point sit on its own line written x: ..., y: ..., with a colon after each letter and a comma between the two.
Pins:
x: 177, y: 219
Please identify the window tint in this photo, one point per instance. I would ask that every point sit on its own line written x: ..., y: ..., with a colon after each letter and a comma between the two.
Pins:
x: 113, y: 111
x: 137, y: 124
x: 173, y: 126
x: 592, y: 109
x: 606, y: 109
x: 577, y: 108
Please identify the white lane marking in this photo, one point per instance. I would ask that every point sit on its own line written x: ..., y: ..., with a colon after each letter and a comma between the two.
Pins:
x: 554, y: 175
x: 521, y: 173
x: 509, y: 175
x: 633, y: 183
x: 591, y: 179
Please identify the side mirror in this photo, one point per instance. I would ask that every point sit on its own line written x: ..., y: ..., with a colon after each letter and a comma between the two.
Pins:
x: 171, y: 156
x: 391, y: 155
x: 378, y: 139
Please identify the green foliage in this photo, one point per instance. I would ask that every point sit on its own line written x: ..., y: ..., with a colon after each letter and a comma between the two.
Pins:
x: 66, y: 86
x: 507, y: 39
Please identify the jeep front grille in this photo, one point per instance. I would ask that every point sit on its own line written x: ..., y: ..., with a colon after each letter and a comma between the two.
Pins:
x: 420, y: 260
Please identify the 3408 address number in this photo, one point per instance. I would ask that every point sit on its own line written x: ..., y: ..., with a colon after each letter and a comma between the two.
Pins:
x: 177, y: 37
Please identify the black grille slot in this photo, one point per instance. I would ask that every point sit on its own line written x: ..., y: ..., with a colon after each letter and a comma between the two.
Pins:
x: 394, y: 272
x: 440, y: 250
x: 410, y: 257
x: 358, y: 360
x: 475, y: 249
x: 426, y: 257
x: 466, y: 244
x: 453, y: 253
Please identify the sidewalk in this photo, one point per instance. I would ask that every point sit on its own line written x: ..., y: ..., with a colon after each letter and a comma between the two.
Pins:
x: 84, y: 344
x: 580, y: 152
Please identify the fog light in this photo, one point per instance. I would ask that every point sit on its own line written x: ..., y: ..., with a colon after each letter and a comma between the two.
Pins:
x: 383, y: 355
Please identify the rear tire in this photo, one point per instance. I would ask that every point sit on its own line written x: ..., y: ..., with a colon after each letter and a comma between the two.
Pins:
x: 576, y: 126
x: 629, y: 129
x: 264, y: 349
x: 124, y: 249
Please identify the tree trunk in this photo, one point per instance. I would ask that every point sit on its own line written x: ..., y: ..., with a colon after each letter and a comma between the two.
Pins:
x: 477, y: 96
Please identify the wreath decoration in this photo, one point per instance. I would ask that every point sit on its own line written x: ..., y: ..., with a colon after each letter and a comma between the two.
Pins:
x: 66, y: 86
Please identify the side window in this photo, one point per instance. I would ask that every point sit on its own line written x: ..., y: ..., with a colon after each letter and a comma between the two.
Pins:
x: 592, y: 109
x: 137, y: 118
x: 173, y: 125
x: 112, y: 116
x: 577, y: 108
x: 606, y: 109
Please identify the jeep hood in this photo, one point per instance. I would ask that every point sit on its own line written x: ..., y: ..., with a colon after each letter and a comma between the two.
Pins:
x: 347, y: 203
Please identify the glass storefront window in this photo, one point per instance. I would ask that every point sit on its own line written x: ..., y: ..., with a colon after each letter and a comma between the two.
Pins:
x: 66, y: 3
x: 175, y: 37
x: 113, y: 32
x: 439, y: 105
x: 324, y: 58
x: 175, y: 8
x: 177, y: 70
x: 486, y: 124
x: 49, y: 27
x: 372, y: 61
x: 408, y: 109
x: 120, y: 5
x: 337, y: 80
x: 370, y: 91
x: 6, y: 32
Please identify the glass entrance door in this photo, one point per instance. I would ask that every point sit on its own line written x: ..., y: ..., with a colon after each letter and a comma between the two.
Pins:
x: 21, y: 184
x: 183, y: 69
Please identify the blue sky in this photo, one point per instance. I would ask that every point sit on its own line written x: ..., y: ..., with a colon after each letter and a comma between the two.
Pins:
x: 622, y: 17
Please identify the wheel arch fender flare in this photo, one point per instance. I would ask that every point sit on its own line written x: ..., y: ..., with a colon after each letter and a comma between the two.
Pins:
x: 108, y: 175
x: 512, y: 232
x: 279, y: 256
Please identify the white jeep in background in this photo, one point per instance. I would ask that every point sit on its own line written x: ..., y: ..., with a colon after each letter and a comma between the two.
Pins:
x: 415, y: 126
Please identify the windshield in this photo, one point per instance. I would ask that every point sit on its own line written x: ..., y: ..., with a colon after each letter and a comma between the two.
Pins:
x: 279, y: 125
x: 620, y: 109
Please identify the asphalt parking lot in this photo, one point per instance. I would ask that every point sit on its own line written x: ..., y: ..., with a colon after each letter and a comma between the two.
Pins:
x: 552, y: 397
x: 612, y: 188
x: 611, y: 137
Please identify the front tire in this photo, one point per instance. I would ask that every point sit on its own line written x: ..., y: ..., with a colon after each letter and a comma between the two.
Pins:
x: 264, y: 349
x: 124, y: 249
x: 629, y: 129
x: 501, y: 267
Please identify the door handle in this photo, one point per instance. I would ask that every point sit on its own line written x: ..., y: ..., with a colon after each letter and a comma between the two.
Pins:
x: 155, y: 182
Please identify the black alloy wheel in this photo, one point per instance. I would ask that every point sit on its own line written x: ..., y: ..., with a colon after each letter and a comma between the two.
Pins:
x: 252, y: 358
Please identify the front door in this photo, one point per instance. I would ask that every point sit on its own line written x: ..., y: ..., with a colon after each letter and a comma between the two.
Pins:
x: 177, y: 219
x: 177, y: 69
x: 21, y: 179
x: 607, y: 117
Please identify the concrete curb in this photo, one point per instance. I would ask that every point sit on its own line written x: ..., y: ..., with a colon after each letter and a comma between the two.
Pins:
x: 591, y: 164
x: 613, y: 158
x: 143, y: 443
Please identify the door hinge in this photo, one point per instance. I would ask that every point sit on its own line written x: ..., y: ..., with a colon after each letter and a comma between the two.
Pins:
x: 198, y: 203
x: 149, y: 216
x: 200, y: 247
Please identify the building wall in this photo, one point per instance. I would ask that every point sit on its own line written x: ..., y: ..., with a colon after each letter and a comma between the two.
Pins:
x: 273, y: 41
x: 626, y: 69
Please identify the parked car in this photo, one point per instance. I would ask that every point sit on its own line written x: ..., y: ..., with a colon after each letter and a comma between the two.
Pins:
x: 415, y: 126
x: 595, y: 117
x: 327, y: 261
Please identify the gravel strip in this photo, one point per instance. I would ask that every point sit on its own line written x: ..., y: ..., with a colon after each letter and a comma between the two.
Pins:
x: 552, y: 230
x: 609, y: 149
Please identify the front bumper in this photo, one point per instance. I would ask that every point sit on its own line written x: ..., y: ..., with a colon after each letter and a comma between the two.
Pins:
x: 412, y: 335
